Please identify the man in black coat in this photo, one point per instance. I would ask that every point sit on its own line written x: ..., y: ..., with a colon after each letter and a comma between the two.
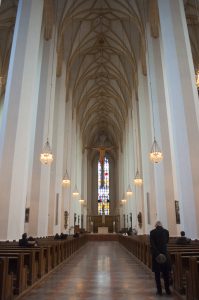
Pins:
x: 159, y: 238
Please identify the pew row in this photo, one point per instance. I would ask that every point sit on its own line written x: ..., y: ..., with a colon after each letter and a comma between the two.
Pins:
x: 20, y: 268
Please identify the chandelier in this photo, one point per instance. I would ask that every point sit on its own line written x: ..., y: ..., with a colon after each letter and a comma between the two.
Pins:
x: 155, y: 155
x: 46, y: 157
x: 66, y: 180
x: 129, y: 191
x: 138, y: 180
x: 75, y: 191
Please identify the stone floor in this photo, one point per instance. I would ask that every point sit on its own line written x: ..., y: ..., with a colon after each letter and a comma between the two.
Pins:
x: 98, y: 271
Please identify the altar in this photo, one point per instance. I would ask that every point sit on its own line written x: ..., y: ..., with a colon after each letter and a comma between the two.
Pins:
x: 102, y: 230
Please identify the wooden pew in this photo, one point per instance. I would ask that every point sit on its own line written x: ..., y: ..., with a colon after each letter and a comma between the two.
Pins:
x: 17, y: 268
x: 24, y: 266
x: 180, y: 267
x: 179, y: 254
x: 192, y: 279
x: 6, y: 280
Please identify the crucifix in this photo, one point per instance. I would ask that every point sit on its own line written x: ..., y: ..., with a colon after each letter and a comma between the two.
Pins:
x: 102, y: 151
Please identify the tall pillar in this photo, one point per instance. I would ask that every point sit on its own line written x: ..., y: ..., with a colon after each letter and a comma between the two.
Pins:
x: 40, y: 182
x: 146, y: 139
x: 164, y: 185
x: 55, y: 213
x: 182, y: 110
x: 16, y: 129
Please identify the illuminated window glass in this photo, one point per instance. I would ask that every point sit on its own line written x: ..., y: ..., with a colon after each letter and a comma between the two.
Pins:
x: 103, y: 188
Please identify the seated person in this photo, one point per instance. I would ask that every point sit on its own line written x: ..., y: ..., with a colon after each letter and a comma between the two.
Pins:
x: 182, y: 240
x: 27, y: 242
x: 63, y: 236
x: 130, y: 231
x: 32, y: 242
x: 23, y: 242
x: 56, y: 237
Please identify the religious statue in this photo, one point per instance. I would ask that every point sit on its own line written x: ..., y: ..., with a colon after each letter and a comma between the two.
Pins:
x: 102, y: 151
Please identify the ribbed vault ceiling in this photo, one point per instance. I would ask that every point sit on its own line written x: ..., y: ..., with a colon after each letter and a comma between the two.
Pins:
x: 101, y: 43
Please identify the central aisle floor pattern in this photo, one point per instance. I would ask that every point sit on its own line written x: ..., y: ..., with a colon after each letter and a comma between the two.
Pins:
x: 98, y: 271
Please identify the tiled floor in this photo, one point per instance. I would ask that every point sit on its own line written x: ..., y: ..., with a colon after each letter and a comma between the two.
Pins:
x: 99, y: 271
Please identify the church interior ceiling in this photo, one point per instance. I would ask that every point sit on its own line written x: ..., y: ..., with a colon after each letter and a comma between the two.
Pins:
x: 100, y: 46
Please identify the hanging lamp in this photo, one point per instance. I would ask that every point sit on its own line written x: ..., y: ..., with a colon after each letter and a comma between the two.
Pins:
x: 46, y: 157
x: 129, y: 191
x: 75, y: 191
x: 138, y: 180
x: 156, y: 154
x: 81, y: 200
x: 66, y: 180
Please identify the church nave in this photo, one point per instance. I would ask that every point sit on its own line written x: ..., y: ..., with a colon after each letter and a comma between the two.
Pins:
x: 99, y: 270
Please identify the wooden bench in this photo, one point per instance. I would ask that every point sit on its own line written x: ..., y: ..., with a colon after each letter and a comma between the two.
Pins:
x: 180, y: 266
x: 6, y: 280
x: 17, y: 268
x: 192, y: 279
x: 21, y: 267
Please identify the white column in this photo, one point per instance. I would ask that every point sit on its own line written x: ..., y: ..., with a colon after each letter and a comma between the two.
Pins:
x: 39, y: 191
x: 19, y: 104
x: 138, y: 200
x: 164, y: 185
x: 66, y: 191
x: 182, y: 110
x: 146, y: 139
x: 58, y: 144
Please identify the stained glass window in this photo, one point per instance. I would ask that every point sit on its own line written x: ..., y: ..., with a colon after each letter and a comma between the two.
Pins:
x: 103, y: 188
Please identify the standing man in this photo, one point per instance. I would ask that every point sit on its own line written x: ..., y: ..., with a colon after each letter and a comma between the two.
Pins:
x: 159, y: 238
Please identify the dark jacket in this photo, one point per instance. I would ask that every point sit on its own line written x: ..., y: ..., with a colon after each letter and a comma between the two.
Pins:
x: 159, y: 238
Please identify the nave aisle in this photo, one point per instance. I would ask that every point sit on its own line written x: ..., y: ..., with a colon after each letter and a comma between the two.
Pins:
x: 98, y: 271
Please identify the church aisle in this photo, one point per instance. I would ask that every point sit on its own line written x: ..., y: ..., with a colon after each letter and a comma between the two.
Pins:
x: 99, y: 271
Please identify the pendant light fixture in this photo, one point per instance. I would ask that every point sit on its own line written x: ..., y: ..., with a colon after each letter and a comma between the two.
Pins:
x: 81, y: 200
x: 156, y: 154
x: 137, y: 179
x: 46, y: 157
x: 75, y: 191
x: 129, y: 190
x: 66, y: 180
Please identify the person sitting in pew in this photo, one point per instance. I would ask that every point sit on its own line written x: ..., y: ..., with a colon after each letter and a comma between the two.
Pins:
x: 32, y: 242
x: 56, y: 237
x: 183, y: 240
x: 63, y: 236
x: 27, y: 242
